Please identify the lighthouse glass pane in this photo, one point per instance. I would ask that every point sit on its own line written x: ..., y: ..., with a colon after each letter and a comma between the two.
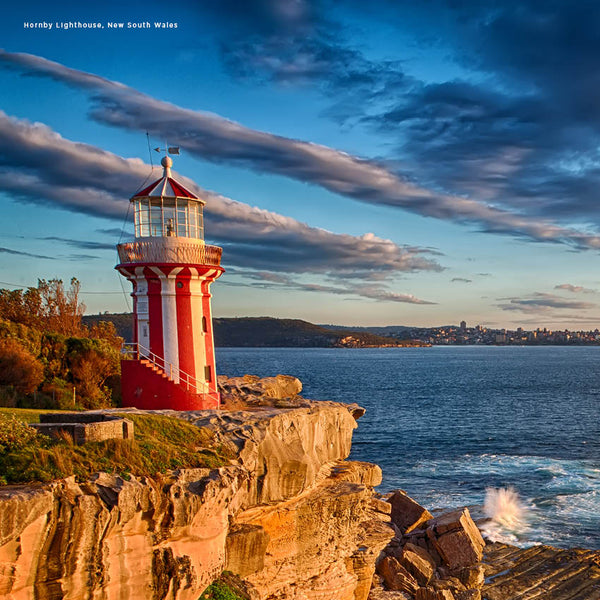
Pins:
x: 169, y: 221
x: 193, y: 216
x: 142, y: 225
x: 200, y: 223
x: 156, y: 225
x: 182, y: 221
x: 136, y: 219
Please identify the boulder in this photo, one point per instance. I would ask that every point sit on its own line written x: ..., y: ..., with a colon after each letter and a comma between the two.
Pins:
x: 472, y: 577
x: 251, y: 390
x: 457, y: 539
x: 396, y: 577
x: 418, y: 563
x: 281, y: 386
x: 407, y: 514
x: 428, y: 593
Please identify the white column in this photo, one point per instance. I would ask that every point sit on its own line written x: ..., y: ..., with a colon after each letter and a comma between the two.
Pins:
x: 169, y: 319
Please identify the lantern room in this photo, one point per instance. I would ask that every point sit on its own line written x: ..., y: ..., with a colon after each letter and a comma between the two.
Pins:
x: 167, y: 209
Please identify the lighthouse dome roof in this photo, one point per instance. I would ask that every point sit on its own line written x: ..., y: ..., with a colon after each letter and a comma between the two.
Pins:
x: 167, y: 187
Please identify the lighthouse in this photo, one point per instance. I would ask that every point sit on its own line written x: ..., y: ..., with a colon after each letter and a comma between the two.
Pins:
x: 171, y: 363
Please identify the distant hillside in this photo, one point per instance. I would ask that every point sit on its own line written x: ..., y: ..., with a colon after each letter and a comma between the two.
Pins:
x: 123, y: 323
x: 267, y: 331
x: 270, y: 332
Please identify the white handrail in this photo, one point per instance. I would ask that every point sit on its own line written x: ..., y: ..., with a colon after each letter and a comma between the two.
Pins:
x: 135, y: 351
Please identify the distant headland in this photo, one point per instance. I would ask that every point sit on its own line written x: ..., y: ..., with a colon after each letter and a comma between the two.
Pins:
x: 280, y: 333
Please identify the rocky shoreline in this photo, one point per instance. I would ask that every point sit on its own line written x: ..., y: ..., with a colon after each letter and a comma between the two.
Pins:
x: 290, y: 517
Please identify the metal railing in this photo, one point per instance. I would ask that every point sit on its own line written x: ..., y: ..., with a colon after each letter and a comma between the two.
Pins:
x: 138, y: 352
x: 170, y: 250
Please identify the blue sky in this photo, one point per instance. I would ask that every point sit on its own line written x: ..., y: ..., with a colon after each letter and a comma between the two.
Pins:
x: 363, y: 163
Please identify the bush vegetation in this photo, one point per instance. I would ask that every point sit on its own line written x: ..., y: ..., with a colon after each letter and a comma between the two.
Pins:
x: 160, y: 445
x: 227, y: 587
x: 48, y: 357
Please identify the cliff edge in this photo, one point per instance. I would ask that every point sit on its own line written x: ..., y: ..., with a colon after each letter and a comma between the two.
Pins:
x: 289, y: 515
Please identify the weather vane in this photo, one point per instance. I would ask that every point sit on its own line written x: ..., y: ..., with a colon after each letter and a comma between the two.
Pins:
x: 168, y: 149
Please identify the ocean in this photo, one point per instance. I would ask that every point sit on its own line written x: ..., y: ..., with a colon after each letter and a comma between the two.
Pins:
x: 513, y: 432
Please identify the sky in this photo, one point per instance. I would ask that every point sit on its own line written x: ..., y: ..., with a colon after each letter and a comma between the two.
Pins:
x: 363, y: 163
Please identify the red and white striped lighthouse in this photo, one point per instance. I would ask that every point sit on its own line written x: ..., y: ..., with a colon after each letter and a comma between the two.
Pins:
x: 172, y: 361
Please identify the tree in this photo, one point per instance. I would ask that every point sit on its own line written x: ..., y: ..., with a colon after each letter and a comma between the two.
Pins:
x: 106, y: 330
x: 18, y: 367
x: 61, y: 310
x: 20, y: 306
x: 91, y: 363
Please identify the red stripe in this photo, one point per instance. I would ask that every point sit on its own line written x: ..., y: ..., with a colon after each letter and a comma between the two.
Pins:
x: 180, y: 190
x: 185, y: 330
x: 208, y: 338
x: 146, y: 191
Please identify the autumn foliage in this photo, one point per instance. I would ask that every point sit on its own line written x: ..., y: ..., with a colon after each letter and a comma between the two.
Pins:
x: 48, y: 358
x: 19, y: 368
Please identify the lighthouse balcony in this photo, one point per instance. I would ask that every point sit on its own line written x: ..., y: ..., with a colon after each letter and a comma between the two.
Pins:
x: 177, y: 250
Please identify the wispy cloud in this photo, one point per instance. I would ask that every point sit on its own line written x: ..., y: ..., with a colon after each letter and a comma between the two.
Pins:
x: 576, y: 289
x: 217, y: 139
x: 541, y: 301
x: 376, y: 292
x: 28, y: 254
x: 81, y: 244
x: 461, y: 280
x: 40, y: 166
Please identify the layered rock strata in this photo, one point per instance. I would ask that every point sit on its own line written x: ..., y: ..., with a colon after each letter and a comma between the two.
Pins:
x: 289, y: 515
x: 541, y: 573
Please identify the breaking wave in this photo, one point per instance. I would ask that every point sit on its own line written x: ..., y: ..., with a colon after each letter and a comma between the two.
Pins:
x: 507, y: 515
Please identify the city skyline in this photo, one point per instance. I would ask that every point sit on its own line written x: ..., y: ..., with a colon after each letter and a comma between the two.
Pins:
x: 362, y: 165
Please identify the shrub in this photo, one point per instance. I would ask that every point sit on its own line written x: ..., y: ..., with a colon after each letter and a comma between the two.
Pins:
x: 227, y: 587
x: 18, y: 367
x: 219, y: 591
x: 15, y: 435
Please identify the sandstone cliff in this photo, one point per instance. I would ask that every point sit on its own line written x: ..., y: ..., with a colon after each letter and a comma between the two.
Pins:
x: 289, y: 515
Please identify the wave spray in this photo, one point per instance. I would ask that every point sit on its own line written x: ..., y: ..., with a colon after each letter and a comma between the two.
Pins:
x: 506, y: 513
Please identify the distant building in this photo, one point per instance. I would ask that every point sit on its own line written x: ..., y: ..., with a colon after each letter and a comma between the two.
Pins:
x: 463, y: 325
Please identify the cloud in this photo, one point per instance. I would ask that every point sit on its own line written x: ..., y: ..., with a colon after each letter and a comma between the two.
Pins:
x: 38, y: 165
x: 568, y: 319
x: 299, y: 43
x: 540, y: 302
x: 373, y: 292
x: 519, y: 127
x: 28, y: 254
x: 82, y: 244
x: 217, y: 139
x: 461, y: 280
x: 576, y: 289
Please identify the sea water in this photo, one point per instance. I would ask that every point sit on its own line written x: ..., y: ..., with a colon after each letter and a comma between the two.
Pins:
x: 512, y: 432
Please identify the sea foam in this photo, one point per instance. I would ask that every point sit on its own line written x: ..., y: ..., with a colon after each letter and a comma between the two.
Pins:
x: 507, y: 515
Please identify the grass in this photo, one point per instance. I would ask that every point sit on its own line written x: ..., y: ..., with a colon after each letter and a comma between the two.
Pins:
x: 160, y: 445
x: 28, y: 415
